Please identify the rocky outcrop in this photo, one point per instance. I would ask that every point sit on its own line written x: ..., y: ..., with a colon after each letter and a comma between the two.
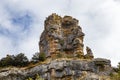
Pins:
x: 62, y: 43
x: 62, y: 69
x: 62, y: 35
x: 89, y: 54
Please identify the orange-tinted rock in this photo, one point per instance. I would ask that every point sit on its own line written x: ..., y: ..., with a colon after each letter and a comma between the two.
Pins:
x: 61, y: 35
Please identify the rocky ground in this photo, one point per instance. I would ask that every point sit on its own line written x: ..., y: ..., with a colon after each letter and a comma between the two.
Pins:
x: 62, y: 69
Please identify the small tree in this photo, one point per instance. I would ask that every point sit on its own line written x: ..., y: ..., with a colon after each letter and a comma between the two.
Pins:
x: 38, y: 57
x: 21, y: 60
x: 116, y: 76
x: 35, y: 57
x: 7, y: 61
x: 42, y: 57
x: 118, y: 67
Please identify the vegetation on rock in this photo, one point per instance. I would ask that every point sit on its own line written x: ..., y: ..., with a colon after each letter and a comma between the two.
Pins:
x: 38, y: 57
x: 36, y: 77
x: 61, y: 44
x: 116, y: 74
x: 20, y: 60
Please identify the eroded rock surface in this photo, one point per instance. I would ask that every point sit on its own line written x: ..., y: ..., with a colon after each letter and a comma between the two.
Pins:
x: 62, y: 70
x: 89, y: 54
x: 62, y: 35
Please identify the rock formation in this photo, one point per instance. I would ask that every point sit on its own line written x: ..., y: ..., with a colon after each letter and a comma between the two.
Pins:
x: 97, y: 69
x: 89, y: 54
x: 61, y: 36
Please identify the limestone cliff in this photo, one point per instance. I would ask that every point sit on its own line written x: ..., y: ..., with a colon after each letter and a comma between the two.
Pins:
x: 62, y: 69
x: 62, y: 35
x: 62, y: 43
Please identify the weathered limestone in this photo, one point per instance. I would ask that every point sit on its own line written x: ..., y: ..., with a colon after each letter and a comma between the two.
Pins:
x: 62, y: 70
x: 89, y: 54
x: 61, y: 36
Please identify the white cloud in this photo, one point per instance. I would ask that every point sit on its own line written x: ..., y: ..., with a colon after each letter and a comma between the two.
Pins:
x: 5, y: 46
x: 98, y: 18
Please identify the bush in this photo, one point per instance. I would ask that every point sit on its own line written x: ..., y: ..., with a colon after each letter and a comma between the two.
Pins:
x: 7, y: 61
x: 38, y: 57
x: 35, y: 57
x: 19, y: 60
x: 36, y: 77
x: 116, y: 75
x: 42, y: 57
x: 118, y: 67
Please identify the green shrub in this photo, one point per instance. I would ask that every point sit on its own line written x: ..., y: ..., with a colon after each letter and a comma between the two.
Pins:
x: 7, y: 61
x: 35, y: 57
x: 29, y: 78
x: 38, y: 57
x: 38, y: 77
x: 19, y: 60
x: 42, y: 57
x: 116, y: 74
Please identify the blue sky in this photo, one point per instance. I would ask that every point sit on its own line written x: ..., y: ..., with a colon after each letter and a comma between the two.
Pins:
x: 22, y: 21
